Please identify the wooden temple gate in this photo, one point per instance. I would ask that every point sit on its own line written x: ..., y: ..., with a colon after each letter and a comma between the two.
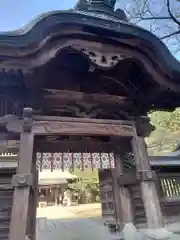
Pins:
x: 85, y: 66
x: 168, y: 185
x: 37, y: 134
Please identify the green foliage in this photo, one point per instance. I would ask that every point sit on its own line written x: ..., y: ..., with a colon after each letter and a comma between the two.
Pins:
x: 88, y: 176
x: 167, y: 134
x: 87, y: 185
x: 169, y: 120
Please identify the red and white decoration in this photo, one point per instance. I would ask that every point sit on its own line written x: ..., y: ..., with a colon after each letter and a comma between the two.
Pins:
x: 74, y: 160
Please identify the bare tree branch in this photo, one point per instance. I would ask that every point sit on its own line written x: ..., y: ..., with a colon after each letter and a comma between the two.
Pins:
x: 163, y: 20
x: 170, y: 35
x: 171, y: 14
x: 155, y: 18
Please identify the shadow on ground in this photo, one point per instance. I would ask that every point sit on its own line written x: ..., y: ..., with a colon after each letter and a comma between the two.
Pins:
x: 72, y: 229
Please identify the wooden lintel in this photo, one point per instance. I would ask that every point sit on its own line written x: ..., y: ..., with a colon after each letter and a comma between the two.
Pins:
x: 81, y: 120
x: 75, y: 146
x: 81, y: 97
x: 82, y: 128
x: 48, y: 125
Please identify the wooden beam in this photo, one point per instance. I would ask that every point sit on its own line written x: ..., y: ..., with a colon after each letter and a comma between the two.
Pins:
x: 64, y: 96
x: 71, y: 126
x: 75, y: 146
x: 81, y: 128
x: 44, y: 125
x: 82, y: 120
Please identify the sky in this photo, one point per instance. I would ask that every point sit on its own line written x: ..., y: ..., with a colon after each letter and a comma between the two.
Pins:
x: 15, y: 14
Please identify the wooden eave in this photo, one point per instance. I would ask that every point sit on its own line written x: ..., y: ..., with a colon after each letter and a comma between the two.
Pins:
x: 66, y: 27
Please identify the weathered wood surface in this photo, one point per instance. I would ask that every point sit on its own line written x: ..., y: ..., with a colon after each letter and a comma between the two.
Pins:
x: 127, y: 179
x: 75, y: 126
x: 76, y: 146
x: 137, y: 204
x: 125, y: 205
x: 82, y: 126
x: 19, y: 216
x: 107, y: 197
x: 31, y: 227
x: 6, y: 198
x: 57, y: 97
x: 117, y: 199
x: 148, y: 186
x: 82, y: 120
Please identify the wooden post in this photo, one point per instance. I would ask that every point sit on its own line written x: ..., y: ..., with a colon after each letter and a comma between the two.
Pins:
x: 147, y: 183
x: 31, y: 231
x: 22, y: 181
x: 126, y: 213
x: 35, y: 203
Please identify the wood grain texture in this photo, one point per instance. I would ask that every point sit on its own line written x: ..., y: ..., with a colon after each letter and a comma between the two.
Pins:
x: 76, y: 146
x: 148, y: 188
x: 82, y: 128
x: 81, y: 120
x: 152, y: 205
x: 65, y: 96
x: 31, y: 227
x: 74, y: 126
x: 19, y: 216
x: 6, y: 198
x: 125, y: 205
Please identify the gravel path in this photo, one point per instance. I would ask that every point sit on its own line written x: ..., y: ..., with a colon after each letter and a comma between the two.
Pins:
x: 55, y: 223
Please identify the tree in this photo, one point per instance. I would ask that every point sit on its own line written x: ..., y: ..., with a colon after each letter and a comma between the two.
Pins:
x: 161, y: 17
x: 167, y: 120
x: 167, y: 134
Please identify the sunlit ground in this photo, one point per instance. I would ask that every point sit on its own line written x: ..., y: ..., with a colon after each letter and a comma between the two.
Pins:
x: 81, y: 222
x: 86, y: 210
x: 76, y: 211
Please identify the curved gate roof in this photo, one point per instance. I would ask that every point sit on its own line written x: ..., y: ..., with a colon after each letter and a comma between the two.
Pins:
x: 98, y: 27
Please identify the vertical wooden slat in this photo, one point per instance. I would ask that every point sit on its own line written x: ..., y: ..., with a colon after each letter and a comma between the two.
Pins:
x: 82, y: 162
x: 175, y: 186
x: 72, y: 168
x: 62, y: 167
x: 19, y: 216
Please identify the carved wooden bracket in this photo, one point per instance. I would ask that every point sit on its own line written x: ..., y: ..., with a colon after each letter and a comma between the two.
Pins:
x: 22, y: 180
x: 143, y: 126
x: 148, y: 175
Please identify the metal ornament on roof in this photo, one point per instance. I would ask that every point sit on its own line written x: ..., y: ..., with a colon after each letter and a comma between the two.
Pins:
x: 110, y: 3
x: 104, y: 60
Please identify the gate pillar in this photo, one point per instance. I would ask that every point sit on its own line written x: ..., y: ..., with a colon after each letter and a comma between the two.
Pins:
x: 33, y: 201
x: 149, y: 192
x: 125, y: 206
x: 128, y: 228
x: 22, y: 181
